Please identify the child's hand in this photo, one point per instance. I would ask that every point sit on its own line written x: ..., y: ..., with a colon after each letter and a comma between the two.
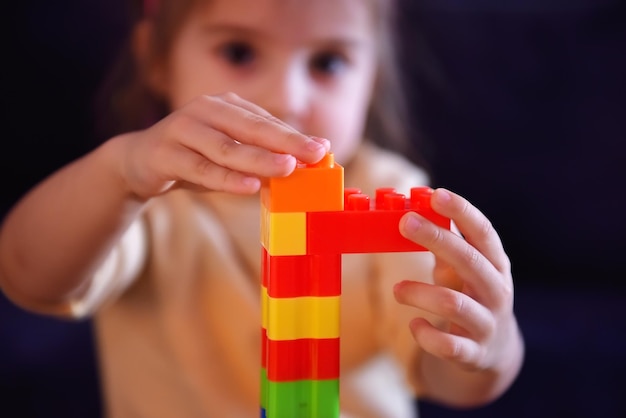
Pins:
x: 219, y: 143
x: 472, y: 291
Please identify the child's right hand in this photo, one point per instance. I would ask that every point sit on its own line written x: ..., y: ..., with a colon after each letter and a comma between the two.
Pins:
x: 220, y: 143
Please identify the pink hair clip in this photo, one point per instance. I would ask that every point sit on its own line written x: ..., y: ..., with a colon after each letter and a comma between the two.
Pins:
x: 150, y: 7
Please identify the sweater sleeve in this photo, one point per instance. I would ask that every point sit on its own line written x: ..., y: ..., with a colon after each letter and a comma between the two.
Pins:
x: 117, y: 272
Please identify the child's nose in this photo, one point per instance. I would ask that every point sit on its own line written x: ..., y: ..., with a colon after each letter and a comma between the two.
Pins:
x: 288, y: 96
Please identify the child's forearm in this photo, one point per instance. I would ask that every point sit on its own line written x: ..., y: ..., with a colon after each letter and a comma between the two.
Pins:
x: 447, y: 383
x: 54, y: 238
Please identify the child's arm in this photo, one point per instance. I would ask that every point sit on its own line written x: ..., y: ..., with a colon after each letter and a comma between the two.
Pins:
x: 479, y: 353
x: 54, y: 239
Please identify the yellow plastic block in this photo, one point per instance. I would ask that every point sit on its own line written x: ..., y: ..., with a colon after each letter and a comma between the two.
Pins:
x: 283, y: 233
x: 310, y: 188
x: 302, y: 317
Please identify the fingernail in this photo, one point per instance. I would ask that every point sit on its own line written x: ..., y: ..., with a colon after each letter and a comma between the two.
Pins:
x: 414, y: 324
x: 398, y: 286
x: 412, y: 223
x: 317, y: 142
x: 443, y: 195
x: 282, y: 158
x: 251, y: 182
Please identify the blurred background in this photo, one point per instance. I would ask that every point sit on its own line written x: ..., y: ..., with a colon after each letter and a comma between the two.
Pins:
x: 520, y: 105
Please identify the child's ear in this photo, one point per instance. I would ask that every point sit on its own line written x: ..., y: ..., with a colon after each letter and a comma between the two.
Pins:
x: 151, y: 66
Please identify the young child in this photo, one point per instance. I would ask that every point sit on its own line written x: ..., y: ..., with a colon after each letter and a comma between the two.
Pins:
x: 156, y: 232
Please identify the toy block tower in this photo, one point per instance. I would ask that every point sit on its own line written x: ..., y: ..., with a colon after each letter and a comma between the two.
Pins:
x: 308, y: 220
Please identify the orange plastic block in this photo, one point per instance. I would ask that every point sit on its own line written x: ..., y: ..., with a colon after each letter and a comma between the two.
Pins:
x: 361, y: 228
x: 302, y: 275
x: 310, y: 188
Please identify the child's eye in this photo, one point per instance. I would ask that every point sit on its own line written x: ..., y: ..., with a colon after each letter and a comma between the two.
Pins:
x: 328, y: 63
x: 237, y: 53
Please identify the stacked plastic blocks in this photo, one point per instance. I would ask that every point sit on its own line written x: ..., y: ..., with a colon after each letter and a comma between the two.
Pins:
x: 308, y: 220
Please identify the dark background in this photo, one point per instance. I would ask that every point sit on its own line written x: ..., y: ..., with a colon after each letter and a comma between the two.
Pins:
x: 518, y: 105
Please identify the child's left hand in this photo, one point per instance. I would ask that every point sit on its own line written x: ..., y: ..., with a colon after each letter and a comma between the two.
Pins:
x: 472, y: 290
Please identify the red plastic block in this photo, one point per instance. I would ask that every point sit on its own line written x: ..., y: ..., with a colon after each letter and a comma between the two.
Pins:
x: 356, y: 232
x: 359, y: 230
x: 302, y: 275
x: 311, y: 359
x: 379, y: 203
x: 420, y: 203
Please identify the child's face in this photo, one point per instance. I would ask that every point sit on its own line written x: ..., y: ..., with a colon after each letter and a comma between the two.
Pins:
x: 311, y: 63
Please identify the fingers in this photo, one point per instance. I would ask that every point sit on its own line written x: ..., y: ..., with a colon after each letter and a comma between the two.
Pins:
x: 247, y: 123
x: 220, y: 149
x: 220, y: 143
x: 475, y: 320
x: 479, y: 259
x: 477, y: 313
x: 251, y: 107
x: 193, y: 170
x: 475, y: 227
x: 470, y: 325
x: 458, y: 349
